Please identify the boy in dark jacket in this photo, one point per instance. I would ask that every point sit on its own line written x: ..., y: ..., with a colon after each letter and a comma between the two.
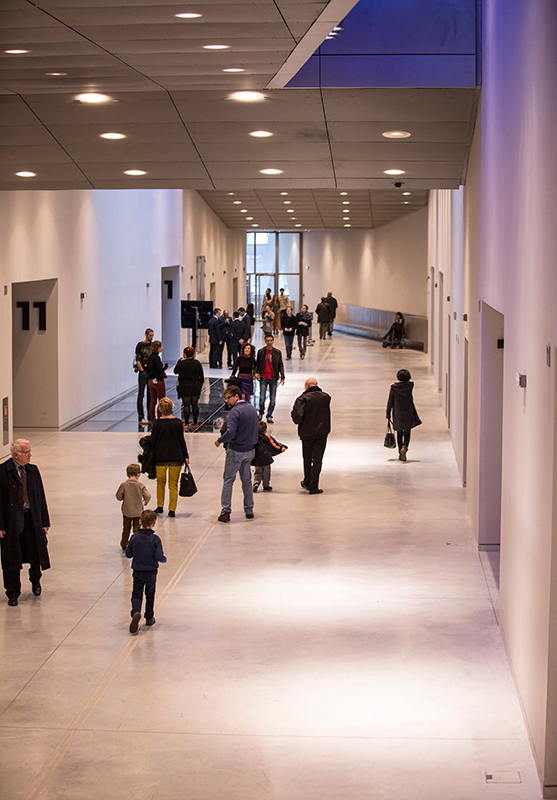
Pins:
x: 145, y: 548
x: 265, y: 449
x: 401, y: 406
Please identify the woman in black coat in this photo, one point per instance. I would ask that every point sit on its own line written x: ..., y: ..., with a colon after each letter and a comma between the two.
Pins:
x: 169, y: 454
x: 156, y: 375
x: 404, y: 414
x: 190, y: 383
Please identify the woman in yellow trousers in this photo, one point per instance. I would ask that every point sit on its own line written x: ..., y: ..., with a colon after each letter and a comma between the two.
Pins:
x: 170, y: 453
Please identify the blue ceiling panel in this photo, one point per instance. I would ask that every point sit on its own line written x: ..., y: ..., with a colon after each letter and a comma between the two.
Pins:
x: 417, y: 43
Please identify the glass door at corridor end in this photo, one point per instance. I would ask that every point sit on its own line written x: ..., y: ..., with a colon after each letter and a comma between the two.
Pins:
x: 273, y: 262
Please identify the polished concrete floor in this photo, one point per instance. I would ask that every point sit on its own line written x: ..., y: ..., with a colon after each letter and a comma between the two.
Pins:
x: 342, y: 645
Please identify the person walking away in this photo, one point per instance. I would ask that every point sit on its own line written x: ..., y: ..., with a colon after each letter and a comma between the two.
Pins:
x: 267, y: 299
x: 303, y: 323
x: 240, y: 438
x: 142, y: 353
x: 24, y: 521
x: 250, y: 312
x: 404, y: 415
x: 332, y: 302
x: 247, y: 323
x: 324, y: 317
x: 269, y: 369
x: 265, y: 449
x: 215, y: 340
x: 156, y: 375
x: 134, y: 496
x: 226, y: 321
x: 145, y: 550
x: 169, y: 454
x: 275, y: 308
x: 245, y: 367
x: 312, y: 414
x: 288, y: 324
x: 237, y: 333
x: 395, y: 335
x: 190, y: 384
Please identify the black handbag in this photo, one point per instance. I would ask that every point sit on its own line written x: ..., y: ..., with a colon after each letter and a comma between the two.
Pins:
x: 187, y: 483
x: 390, y: 440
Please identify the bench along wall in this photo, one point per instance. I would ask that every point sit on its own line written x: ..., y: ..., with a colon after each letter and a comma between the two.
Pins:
x: 383, y: 268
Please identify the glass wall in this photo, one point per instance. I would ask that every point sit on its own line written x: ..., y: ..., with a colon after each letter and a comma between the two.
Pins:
x: 273, y: 262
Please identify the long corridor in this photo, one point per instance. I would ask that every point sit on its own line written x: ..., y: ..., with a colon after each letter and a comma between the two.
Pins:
x: 343, y: 645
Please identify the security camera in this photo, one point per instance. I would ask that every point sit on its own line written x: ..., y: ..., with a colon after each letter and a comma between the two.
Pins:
x: 398, y: 184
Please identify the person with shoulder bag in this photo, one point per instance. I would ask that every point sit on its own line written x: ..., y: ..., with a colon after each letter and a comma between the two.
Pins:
x: 404, y: 415
x: 170, y: 453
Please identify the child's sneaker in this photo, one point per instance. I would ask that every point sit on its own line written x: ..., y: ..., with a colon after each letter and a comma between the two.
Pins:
x: 255, y: 487
x: 150, y: 621
x: 267, y: 488
x: 134, y: 624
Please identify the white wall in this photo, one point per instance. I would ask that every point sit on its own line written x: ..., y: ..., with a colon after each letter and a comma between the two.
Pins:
x: 109, y: 244
x: 384, y: 268
x: 507, y: 260
x: 204, y: 234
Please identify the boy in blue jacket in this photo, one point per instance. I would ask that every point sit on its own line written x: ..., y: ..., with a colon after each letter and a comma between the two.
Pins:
x: 145, y: 548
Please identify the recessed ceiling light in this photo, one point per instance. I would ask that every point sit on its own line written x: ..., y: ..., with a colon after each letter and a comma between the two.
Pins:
x: 406, y: 193
x: 93, y: 97
x: 255, y: 225
x: 394, y: 172
x: 243, y: 211
x: 188, y: 15
x: 230, y: 193
x: 55, y: 74
x: 406, y: 202
x: 348, y: 226
x: 25, y: 174
x: 289, y: 210
x: 247, y: 97
x: 237, y: 202
x: 344, y: 193
x: 293, y: 217
x: 216, y: 46
x: 396, y: 134
x: 346, y: 217
x: 249, y: 217
x: 297, y: 225
x: 271, y: 171
x: 233, y: 69
x: 346, y: 202
x: 134, y: 172
x: 261, y: 134
x: 16, y: 52
x: 113, y: 135
x: 287, y: 202
x: 284, y: 193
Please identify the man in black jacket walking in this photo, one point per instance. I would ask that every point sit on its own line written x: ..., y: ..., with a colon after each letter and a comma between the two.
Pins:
x: 312, y: 415
x: 269, y: 369
x: 324, y: 316
x: 216, y: 341
x: 332, y: 302
x: 24, y: 521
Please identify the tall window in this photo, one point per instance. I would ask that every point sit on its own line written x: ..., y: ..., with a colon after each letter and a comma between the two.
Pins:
x: 273, y: 262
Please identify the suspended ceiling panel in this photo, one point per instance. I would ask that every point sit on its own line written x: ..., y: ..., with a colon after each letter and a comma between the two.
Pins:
x: 170, y: 98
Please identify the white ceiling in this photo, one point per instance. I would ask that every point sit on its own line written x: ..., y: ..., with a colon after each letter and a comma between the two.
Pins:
x: 170, y: 98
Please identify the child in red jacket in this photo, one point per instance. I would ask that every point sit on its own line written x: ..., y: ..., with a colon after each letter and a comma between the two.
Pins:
x: 265, y: 449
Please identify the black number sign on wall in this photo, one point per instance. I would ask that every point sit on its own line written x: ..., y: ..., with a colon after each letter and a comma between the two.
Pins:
x: 25, y: 316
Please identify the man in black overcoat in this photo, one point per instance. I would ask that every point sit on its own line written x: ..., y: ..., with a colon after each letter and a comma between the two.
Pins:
x: 312, y: 414
x: 24, y: 521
